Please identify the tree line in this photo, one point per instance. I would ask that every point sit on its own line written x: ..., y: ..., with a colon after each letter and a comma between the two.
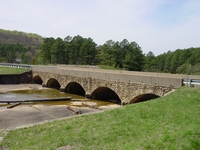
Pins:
x: 120, y: 55
x: 10, y: 52
x: 113, y: 54
x: 180, y: 61
x: 84, y: 51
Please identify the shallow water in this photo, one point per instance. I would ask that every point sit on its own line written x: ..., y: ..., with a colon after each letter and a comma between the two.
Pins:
x: 76, y: 100
x: 36, y: 94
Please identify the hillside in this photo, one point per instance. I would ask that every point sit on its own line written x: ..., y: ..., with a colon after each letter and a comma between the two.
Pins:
x: 17, y: 45
x: 14, y: 37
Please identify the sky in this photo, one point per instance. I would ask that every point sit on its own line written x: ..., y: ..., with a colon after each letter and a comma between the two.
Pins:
x: 155, y: 25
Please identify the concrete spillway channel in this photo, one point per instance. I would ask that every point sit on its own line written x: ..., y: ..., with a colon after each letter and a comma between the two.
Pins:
x: 18, y: 102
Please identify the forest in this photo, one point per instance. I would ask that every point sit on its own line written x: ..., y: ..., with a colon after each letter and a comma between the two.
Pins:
x: 77, y: 50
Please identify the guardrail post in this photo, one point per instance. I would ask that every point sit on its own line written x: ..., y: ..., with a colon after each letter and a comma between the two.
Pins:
x: 190, y: 81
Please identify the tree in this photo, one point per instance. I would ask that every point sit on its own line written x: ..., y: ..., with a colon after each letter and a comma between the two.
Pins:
x: 68, y: 39
x: 134, y: 58
x: 160, y: 59
x: 9, y: 52
x: 120, y: 50
x: 25, y: 59
x: 117, y: 53
x: 88, y: 52
x: 57, y: 51
x: 150, y: 62
x: 195, y: 55
x: 168, y: 61
x: 45, y: 50
x: 174, y: 61
x: 74, y: 49
x: 105, y: 54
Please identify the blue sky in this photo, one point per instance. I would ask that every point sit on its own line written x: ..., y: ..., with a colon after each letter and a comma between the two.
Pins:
x: 156, y: 25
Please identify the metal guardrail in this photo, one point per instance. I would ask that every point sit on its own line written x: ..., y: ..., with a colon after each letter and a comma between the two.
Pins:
x: 191, y: 82
x: 25, y: 66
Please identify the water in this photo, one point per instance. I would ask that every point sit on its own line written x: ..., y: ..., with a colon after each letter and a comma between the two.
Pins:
x: 33, y: 94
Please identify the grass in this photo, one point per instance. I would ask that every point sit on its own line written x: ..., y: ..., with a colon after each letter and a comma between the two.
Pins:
x: 7, y: 70
x: 171, y: 123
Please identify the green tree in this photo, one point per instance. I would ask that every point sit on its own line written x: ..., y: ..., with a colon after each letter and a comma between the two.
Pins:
x: 88, y: 52
x: 117, y: 54
x: 175, y: 61
x: 25, y: 59
x: 134, y: 59
x: 57, y: 51
x: 67, y: 41
x: 74, y: 49
x: 168, y: 61
x: 195, y: 56
x: 9, y: 52
x: 150, y: 62
x: 45, y: 50
x: 184, y: 56
x: 105, y: 54
x: 160, y: 59
x: 11, y: 57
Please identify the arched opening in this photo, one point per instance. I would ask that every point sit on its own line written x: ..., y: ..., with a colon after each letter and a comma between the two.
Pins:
x: 143, y: 98
x: 106, y: 94
x: 37, y: 80
x: 53, y: 83
x: 75, y: 88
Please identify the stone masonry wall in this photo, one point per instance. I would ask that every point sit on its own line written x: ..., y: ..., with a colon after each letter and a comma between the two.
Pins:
x: 125, y: 90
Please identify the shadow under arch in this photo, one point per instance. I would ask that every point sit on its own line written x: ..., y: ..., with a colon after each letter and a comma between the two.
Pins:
x: 106, y: 94
x: 37, y: 80
x: 53, y: 83
x: 75, y: 88
x: 143, y: 98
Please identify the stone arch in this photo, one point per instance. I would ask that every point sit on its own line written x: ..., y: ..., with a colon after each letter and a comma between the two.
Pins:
x: 143, y: 98
x: 75, y: 88
x: 105, y: 93
x: 53, y: 83
x: 37, y: 79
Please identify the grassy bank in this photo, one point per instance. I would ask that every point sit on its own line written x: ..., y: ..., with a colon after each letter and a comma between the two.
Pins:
x: 8, y: 70
x: 171, y: 122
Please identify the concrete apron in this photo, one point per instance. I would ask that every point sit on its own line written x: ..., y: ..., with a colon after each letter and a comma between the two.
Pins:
x: 22, y: 116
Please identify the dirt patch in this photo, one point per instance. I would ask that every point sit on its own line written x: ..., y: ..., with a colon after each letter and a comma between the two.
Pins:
x: 65, y: 148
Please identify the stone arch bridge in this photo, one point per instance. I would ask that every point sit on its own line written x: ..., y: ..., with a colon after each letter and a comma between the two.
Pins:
x: 119, y: 86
